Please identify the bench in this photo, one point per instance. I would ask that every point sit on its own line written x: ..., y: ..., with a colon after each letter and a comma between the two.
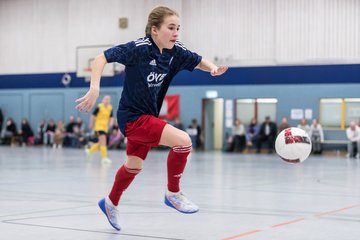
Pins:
x: 338, y: 145
x: 337, y: 142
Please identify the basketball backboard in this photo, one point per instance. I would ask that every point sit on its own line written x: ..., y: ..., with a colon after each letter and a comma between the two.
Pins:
x: 85, y: 55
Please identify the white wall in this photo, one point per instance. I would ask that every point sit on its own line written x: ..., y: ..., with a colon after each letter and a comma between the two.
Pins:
x: 318, y: 31
x: 39, y: 36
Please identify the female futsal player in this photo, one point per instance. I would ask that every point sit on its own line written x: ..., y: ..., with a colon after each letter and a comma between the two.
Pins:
x: 150, y: 63
x: 100, y: 121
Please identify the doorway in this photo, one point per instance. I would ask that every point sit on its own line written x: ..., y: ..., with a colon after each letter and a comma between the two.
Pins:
x: 212, y: 120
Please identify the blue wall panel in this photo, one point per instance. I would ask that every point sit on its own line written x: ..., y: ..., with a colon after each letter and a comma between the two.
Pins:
x: 46, y: 106
x: 293, y: 86
x: 21, y: 103
x: 12, y: 105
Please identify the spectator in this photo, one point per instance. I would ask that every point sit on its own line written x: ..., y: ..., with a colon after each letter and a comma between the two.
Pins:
x: 284, y: 124
x: 237, y: 141
x: 304, y: 126
x: 267, y: 133
x: 79, y: 139
x: 115, y: 138
x: 353, y: 135
x: 10, y: 132
x: 70, y: 138
x: 39, y: 137
x: 81, y: 125
x: 194, y: 132
x: 317, y: 136
x: 26, y: 133
x: 49, y: 133
x: 59, y: 135
x: 178, y: 124
x: 252, y: 132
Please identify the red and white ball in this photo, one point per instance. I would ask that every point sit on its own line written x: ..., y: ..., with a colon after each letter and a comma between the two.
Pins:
x: 293, y: 145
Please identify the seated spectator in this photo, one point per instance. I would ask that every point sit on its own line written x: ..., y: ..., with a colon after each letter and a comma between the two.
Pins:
x: 79, y: 139
x: 317, y: 136
x: 304, y: 126
x: 10, y: 133
x: 39, y: 137
x: 26, y: 133
x: 81, y: 125
x: 178, y: 124
x: 82, y: 131
x: 237, y: 141
x: 70, y: 139
x: 59, y: 135
x: 49, y: 133
x: 252, y: 132
x: 115, y: 138
x: 194, y: 132
x: 353, y: 135
x: 284, y: 124
x: 267, y: 133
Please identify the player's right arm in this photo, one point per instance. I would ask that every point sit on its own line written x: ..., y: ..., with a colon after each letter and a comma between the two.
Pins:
x: 86, y: 102
x: 123, y: 53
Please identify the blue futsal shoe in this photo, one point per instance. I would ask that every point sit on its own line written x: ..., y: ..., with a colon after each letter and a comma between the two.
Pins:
x: 180, y: 202
x: 110, y: 211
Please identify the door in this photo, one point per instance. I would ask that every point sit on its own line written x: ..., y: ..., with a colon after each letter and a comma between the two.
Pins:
x: 213, y: 122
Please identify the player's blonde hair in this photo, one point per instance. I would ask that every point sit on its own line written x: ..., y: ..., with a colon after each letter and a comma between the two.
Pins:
x: 157, y: 16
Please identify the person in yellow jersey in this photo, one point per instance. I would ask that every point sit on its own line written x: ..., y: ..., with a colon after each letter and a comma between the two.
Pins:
x: 100, y: 121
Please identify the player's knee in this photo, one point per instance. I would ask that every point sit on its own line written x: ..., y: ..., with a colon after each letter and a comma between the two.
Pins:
x: 184, y: 140
x: 134, y: 162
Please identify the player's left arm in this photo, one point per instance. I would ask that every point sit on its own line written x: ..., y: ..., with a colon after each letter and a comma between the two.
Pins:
x: 208, y: 66
x: 111, y: 121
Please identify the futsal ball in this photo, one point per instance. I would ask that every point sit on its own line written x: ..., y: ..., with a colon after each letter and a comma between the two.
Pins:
x: 293, y: 145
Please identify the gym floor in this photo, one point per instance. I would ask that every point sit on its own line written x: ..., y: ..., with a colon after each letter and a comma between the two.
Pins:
x: 52, y: 194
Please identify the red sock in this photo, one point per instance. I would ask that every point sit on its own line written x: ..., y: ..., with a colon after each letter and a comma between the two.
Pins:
x: 176, y: 163
x: 123, y: 178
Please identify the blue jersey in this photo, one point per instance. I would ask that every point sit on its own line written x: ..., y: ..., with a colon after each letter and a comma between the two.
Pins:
x: 148, y: 74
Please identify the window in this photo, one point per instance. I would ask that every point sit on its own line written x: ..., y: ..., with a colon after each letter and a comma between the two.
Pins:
x: 330, y: 112
x: 260, y: 108
x: 352, y: 110
x: 338, y: 112
x: 266, y: 107
x: 245, y: 110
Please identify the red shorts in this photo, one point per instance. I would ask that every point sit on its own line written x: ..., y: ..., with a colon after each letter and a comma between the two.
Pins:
x: 143, y: 134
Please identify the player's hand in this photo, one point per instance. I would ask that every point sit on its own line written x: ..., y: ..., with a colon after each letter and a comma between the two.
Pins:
x: 88, y: 101
x: 218, y: 71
